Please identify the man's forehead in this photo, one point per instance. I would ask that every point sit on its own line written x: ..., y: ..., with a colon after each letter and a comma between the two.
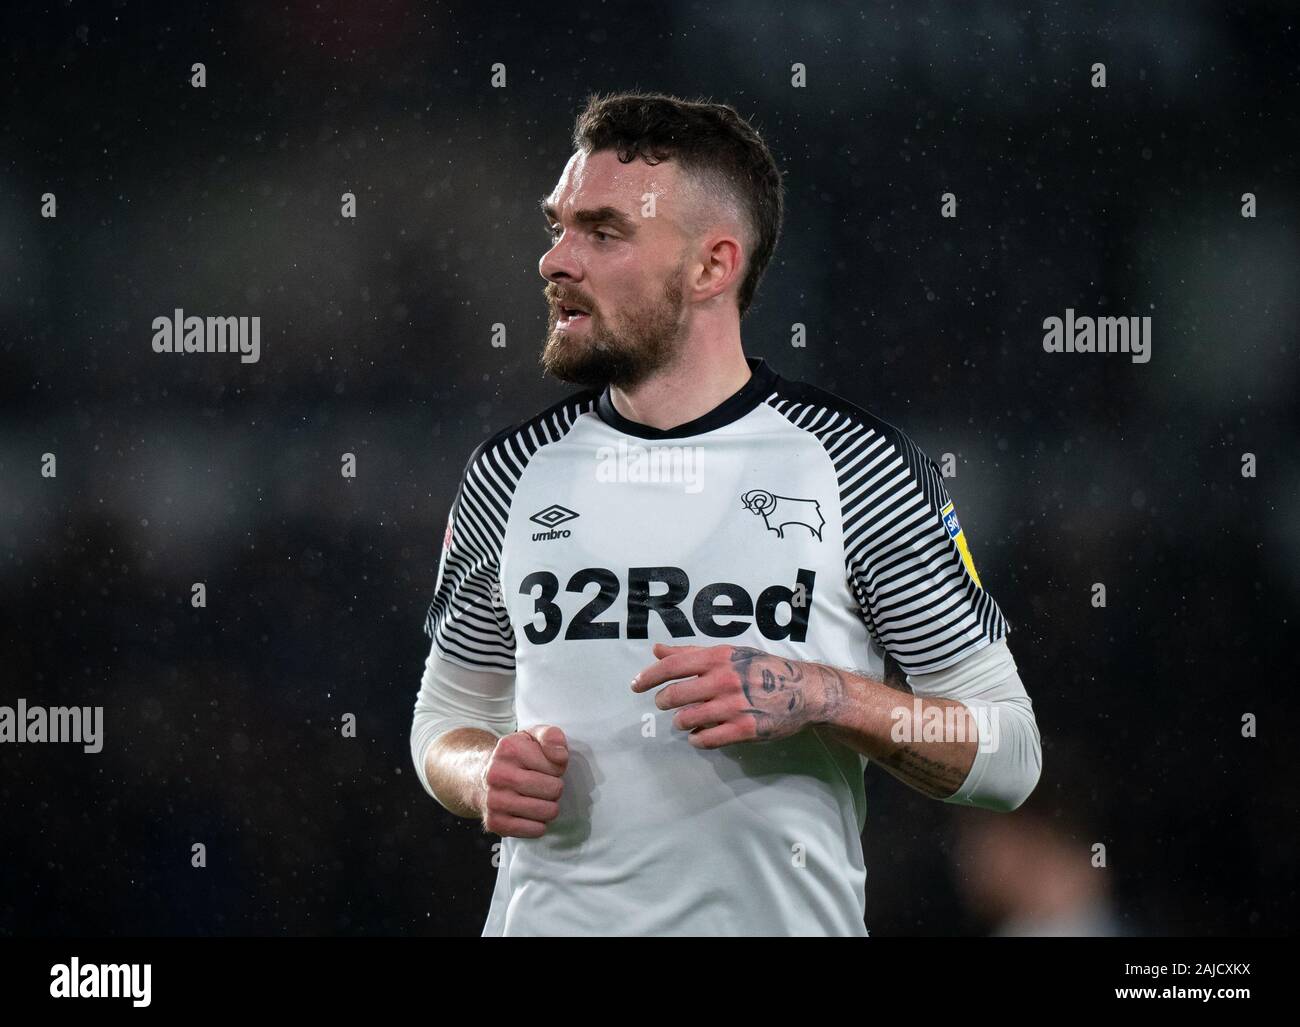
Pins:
x: 591, y: 180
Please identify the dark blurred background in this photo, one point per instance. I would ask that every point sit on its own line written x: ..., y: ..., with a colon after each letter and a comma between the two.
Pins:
x: 222, y: 725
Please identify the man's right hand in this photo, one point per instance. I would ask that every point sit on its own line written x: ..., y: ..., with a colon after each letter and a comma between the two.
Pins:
x: 522, y: 782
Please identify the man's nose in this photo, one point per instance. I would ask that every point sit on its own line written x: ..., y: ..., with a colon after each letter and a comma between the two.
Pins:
x: 559, y: 262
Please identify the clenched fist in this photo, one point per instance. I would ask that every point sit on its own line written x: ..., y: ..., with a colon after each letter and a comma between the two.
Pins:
x: 522, y: 782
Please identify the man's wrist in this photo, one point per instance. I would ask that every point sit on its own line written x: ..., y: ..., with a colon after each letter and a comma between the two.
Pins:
x: 455, y: 764
x: 854, y: 708
x: 478, y: 786
x: 830, y: 703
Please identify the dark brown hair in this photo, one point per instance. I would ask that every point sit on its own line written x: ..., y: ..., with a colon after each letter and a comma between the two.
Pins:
x: 709, y: 141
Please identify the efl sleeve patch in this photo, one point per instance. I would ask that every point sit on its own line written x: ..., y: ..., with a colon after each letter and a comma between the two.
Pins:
x: 949, y: 515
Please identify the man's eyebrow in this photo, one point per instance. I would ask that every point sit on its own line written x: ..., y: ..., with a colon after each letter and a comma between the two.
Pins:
x: 607, y: 215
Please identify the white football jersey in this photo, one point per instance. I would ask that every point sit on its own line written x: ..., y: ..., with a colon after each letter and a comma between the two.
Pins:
x: 786, y: 519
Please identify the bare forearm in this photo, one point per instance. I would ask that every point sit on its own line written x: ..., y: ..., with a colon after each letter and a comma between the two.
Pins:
x: 893, y: 728
x: 454, y: 765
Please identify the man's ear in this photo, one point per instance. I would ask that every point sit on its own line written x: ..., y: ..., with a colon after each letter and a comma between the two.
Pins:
x: 709, y: 257
x: 728, y: 249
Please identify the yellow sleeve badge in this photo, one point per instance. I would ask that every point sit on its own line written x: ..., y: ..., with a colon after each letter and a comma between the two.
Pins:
x: 949, y: 515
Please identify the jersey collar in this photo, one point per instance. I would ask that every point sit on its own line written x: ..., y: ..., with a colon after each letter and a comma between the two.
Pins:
x: 753, y: 392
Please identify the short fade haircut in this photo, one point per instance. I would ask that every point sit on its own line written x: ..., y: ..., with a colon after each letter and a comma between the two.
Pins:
x: 712, y: 143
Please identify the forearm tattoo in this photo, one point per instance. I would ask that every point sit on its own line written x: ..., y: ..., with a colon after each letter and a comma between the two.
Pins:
x: 937, y: 778
x: 933, y: 777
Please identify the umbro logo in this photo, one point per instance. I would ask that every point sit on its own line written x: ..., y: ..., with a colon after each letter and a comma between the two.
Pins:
x: 553, y: 516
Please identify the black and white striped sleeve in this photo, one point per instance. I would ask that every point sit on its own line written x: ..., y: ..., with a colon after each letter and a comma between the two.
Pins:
x: 469, y: 676
x: 908, y: 562
x: 906, y: 559
x: 467, y: 618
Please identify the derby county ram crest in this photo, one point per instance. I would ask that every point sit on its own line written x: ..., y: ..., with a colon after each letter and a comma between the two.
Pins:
x: 779, y: 512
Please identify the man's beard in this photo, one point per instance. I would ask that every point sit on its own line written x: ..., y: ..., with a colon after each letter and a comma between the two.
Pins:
x: 644, y: 342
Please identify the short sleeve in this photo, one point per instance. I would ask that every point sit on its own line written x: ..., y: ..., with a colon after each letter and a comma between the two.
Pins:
x: 467, y: 619
x: 909, y: 562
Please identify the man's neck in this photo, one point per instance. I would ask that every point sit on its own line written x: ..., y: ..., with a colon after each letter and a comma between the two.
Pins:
x: 686, y: 390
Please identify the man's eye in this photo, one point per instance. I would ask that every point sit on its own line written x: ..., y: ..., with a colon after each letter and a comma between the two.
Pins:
x: 555, y: 230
